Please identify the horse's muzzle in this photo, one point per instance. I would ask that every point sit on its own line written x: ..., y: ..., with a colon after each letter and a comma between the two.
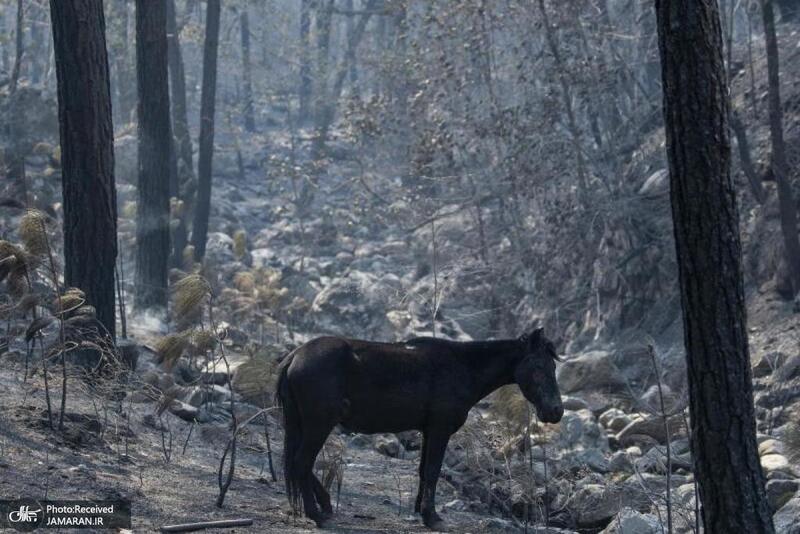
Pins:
x: 551, y: 415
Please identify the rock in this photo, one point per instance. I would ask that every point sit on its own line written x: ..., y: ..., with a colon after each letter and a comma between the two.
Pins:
x: 630, y: 521
x: 199, y: 395
x: 620, y: 462
x: 786, y: 519
x: 789, y: 370
x: 574, y: 404
x: 214, y: 413
x: 652, y: 427
x: 590, y: 370
x: 356, y: 305
x: 219, y: 248
x: 579, y: 429
x: 389, y: 445
x: 593, y: 459
x: 774, y: 462
x: 767, y: 364
x: 684, y: 496
x: 651, y: 399
x: 411, y: 440
x: 360, y: 441
x: 185, y: 411
x: 770, y: 446
x: 655, y: 461
x: 779, y: 492
x: 456, y: 504
x: 593, y: 505
x: 614, y: 419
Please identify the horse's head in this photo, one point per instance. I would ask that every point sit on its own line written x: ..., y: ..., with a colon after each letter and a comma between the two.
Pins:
x: 535, y: 375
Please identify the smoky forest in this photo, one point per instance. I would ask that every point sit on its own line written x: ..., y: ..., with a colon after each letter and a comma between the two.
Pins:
x: 400, y: 266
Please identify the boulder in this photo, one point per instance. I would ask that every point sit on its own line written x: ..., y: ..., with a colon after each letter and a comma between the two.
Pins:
x: 614, y: 419
x: 388, y: 445
x: 779, y: 492
x: 580, y: 429
x: 185, y: 411
x: 787, y: 519
x: 789, y: 370
x: 203, y: 394
x: 648, y: 428
x: 630, y: 521
x: 767, y: 364
x: 590, y: 370
x: 594, y: 505
x: 620, y: 462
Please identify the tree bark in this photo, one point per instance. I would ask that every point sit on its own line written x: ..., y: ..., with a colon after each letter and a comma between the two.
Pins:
x: 15, y: 129
x: 247, y: 79
x: 708, y: 248
x: 786, y: 201
x: 155, y: 142
x: 87, y: 152
x: 207, y: 108
x: 120, y: 51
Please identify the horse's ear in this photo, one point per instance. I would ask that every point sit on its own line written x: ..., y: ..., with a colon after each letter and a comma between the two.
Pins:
x: 537, y: 335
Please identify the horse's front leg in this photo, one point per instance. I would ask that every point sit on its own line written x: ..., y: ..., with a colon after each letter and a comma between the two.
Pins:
x: 418, y: 503
x: 435, y: 447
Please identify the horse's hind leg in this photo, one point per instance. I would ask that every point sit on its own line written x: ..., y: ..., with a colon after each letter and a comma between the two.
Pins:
x: 418, y: 503
x: 313, y: 440
x: 322, y: 496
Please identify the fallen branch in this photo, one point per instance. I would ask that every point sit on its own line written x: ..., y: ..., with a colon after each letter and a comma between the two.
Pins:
x: 201, y: 525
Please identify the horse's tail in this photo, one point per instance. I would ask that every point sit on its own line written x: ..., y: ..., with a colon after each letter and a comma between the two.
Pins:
x: 292, y: 431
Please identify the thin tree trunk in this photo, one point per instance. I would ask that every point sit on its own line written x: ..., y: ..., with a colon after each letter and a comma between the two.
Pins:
x: 247, y: 78
x: 87, y: 152
x: 207, y: 107
x: 786, y: 201
x: 744, y: 157
x: 304, y: 92
x: 155, y: 142
x: 122, y: 64
x: 708, y: 248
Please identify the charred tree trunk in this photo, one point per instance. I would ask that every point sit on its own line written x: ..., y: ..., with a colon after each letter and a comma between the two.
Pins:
x: 87, y: 152
x: 247, y: 78
x: 155, y: 142
x: 207, y: 108
x: 780, y: 168
x: 708, y: 249
x: 184, y: 167
x: 304, y: 91
x: 122, y: 65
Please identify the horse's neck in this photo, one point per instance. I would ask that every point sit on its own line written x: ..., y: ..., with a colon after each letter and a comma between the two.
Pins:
x: 494, y: 363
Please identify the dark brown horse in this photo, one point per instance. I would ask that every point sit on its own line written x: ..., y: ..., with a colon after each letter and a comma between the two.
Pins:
x: 422, y: 384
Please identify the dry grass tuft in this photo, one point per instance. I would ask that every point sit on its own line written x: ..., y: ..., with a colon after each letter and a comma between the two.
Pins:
x: 190, y: 292
x: 511, y: 405
x: 33, y: 233
x: 72, y: 299
x: 203, y: 341
x: 245, y: 282
x: 170, y: 348
x: 240, y: 243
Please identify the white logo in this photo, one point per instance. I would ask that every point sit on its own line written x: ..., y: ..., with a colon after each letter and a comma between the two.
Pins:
x: 24, y: 515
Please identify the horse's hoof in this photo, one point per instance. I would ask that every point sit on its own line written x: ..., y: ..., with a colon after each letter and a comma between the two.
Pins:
x: 435, y: 523
x: 326, y: 514
x: 320, y: 519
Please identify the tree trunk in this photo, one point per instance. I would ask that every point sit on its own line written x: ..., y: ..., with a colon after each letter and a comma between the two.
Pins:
x: 304, y: 91
x: 207, y: 105
x: 182, y: 139
x: 120, y: 52
x: 708, y: 250
x: 744, y: 157
x: 87, y: 152
x: 786, y: 202
x: 247, y: 78
x: 155, y: 141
